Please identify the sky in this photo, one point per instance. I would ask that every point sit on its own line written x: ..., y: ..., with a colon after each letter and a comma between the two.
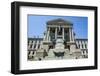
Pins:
x: 37, y: 25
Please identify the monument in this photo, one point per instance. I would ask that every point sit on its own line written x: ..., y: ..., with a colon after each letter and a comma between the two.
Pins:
x: 58, y: 43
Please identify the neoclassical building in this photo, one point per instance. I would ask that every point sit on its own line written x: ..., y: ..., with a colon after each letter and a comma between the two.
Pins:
x: 59, y: 42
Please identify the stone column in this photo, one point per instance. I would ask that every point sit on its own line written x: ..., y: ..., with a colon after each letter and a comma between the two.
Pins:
x: 63, y: 32
x: 33, y: 44
x: 37, y: 44
x: 44, y: 38
x: 30, y: 42
x: 80, y: 44
x: 70, y: 34
x: 56, y: 33
x: 48, y: 32
x: 83, y: 44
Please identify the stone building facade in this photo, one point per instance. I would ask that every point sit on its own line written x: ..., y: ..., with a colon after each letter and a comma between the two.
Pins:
x: 58, y: 43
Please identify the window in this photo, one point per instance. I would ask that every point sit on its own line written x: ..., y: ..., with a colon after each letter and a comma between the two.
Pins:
x: 30, y: 45
x: 79, y: 45
x: 82, y: 46
x: 38, y: 46
x: 85, y: 46
x: 34, y: 46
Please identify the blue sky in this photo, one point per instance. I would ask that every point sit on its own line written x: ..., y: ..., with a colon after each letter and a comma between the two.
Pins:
x: 37, y: 25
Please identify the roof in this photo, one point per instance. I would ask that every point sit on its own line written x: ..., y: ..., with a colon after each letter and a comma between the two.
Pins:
x: 35, y: 39
x: 82, y: 39
x: 59, y: 21
x: 40, y: 39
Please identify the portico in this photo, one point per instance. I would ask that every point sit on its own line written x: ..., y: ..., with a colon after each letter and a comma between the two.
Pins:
x: 59, y: 29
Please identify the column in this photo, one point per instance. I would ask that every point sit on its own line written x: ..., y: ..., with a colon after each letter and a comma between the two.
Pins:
x: 48, y: 32
x: 31, y: 53
x: 70, y: 38
x: 63, y: 33
x: 37, y: 44
x: 30, y: 42
x: 72, y: 35
x: 44, y: 38
x: 83, y: 44
x: 33, y: 45
x: 56, y: 33
x: 80, y: 44
x: 47, y: 35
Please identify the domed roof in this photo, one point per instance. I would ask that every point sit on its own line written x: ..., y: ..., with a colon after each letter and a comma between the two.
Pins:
x: 59, y: 21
